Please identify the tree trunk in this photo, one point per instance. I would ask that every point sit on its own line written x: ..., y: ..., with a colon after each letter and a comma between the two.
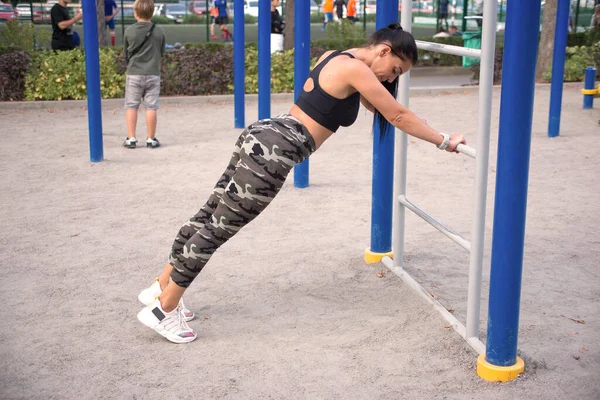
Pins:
x: 546, y: 47
x: 101, y: 23
x: 288, y: 40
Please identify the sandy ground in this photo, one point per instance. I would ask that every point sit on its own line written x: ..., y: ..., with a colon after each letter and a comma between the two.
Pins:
x: 287, y: 309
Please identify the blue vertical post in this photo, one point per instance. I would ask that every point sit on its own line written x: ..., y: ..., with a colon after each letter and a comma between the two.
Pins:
x: 301, y: 71
x: 264, y: 59
x: 239, y: 87
x: 590, y: 81
x: 383, y: 159
x: 516, y: 114
x: 558, y: 66
x: 92, y: 76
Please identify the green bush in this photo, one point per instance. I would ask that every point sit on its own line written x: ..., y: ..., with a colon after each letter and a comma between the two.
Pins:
x: 61, y: 76
x: 23, y: 36
x: 212, y: 46
x: 194, y: 19
x: 578, y: 59
x: 157, y: 19
x: 583, y: 38
x: 13, y: 72
x: 282, y: 71
x: 250, y: 19
x: 345, y: 31
x: 200, y: 70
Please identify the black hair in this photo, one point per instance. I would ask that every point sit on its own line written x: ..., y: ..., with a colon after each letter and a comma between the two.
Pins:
x: 404, y: 46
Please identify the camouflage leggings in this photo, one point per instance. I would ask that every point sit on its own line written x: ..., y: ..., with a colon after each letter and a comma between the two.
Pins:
x: 264, y: 154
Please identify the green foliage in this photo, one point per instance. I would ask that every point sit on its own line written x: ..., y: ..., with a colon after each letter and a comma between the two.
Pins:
x: 157, y: 19
x: 250, y: 19
x: 196, y: 71
x: 345, y: 31
x: 194, y: 19
x: 282, y: 71
x: 13, y: 71
x: 578, y: 59
x: 212, y: 46
x: 335, y: 44
x: 587, y: 38
x: 61, y: 76
x: 23, y: 36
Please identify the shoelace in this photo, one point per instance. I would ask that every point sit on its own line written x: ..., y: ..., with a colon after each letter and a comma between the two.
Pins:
x: 181, y: 325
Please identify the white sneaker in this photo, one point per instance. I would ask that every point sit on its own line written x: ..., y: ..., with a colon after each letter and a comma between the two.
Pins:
x: 147, y: 297
x: 170, y: 325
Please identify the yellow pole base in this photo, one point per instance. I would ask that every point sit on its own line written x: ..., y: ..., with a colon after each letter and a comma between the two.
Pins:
x: 372, y: 258
x: 494, y: 373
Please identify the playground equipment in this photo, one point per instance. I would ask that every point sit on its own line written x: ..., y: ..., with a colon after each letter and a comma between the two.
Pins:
x: 92, y: 75
x: 498, y: 359
x: 301, y: 65
x: 589, y: 91
x: 558, y: 66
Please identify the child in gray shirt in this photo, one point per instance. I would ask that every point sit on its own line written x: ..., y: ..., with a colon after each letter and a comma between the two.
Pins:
x: 144, y: 46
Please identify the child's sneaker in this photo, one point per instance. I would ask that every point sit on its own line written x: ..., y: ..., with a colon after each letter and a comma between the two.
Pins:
x: 170, y: 325
x: 152, y: 142
x: 149, y: 295
x: 130, y: 143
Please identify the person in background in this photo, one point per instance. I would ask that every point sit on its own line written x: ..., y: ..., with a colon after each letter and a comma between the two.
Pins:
x: 453, y: 31
x: 443, y: 13
x: 441, y: 33
x: 595, y: 23
x: 351, y: 11
x: 214, y: 13
x: 144, y: 46
x: 223, y: 19
x: 339, y: 9
x: 328, y: 12
x: 277, y: 27
x: 110, y: 12
x: 62, y: 33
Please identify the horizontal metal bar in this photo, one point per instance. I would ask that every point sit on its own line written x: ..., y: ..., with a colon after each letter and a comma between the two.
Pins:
x: 448, y: 49
x: 466, y: 150
x: 474, y: 342
x: 456, y: 237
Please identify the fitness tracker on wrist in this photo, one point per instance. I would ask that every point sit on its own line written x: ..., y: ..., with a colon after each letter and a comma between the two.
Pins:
x: 444, y: 144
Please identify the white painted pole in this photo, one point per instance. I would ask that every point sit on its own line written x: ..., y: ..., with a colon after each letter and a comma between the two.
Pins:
x: 448, y: 49
x: 475, y: 343
x: 401, y: 154
x: 486, y: 80
x: 450, y: 233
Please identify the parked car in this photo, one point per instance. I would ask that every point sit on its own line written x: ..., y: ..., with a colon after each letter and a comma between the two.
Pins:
x: 7, y: 13
x: 198, y: 7
x: 23, y: 11
x: 41, y: 14
x: 251, y: 8
x: 174, y: 11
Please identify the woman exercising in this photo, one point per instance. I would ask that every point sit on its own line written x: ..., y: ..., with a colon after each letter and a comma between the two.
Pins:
x: 267, y: 150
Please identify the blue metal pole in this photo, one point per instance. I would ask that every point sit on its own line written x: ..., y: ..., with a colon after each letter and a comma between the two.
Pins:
x: 516, y: 113
x: 590, y: 81
x: 239, y: 87
x: 558, y: 66
x: 383, y: 158
x: 92, y: 75
x: 301, y: 71
x: 264, y: 59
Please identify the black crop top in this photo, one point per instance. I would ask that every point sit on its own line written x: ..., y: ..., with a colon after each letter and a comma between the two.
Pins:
x: 325, y: 109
